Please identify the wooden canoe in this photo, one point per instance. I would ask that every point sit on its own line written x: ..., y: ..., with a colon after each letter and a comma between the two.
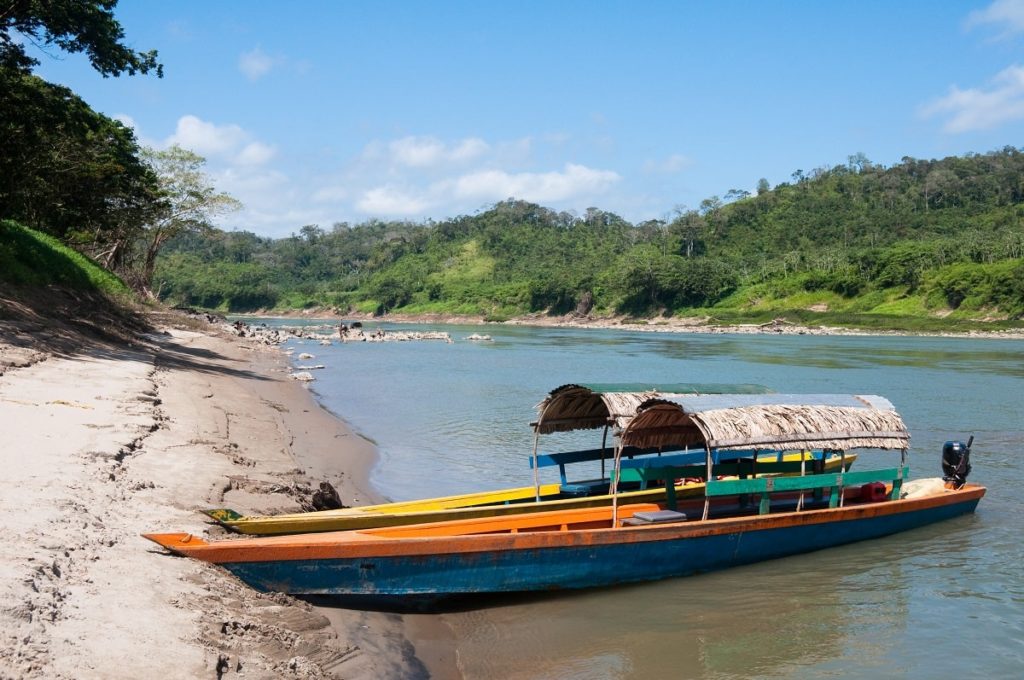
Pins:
x: 568, y: 549
x: 501, y: 503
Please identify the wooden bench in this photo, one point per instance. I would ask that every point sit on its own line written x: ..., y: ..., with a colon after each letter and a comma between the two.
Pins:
x: 834, y: 482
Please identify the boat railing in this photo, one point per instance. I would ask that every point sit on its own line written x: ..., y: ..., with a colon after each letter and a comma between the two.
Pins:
x: 834, y: 482
x: 590, y: 487
x: 741, y: 464
x: 653, y: 458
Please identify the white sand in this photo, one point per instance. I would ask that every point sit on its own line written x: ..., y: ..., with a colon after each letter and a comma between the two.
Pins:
x: 103, y: 445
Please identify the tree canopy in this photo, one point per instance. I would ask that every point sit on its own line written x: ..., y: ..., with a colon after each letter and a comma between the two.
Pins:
x: 64, y: 168
x: 86, y: 26
x: 76, y: 174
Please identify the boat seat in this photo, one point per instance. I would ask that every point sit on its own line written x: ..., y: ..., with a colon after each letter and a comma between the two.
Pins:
x: 653, y: 517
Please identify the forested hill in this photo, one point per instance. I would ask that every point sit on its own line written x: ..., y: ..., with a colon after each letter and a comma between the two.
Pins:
x: 856, y: 242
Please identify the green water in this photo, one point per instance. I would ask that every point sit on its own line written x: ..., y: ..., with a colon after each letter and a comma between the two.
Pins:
x: 946, y: 601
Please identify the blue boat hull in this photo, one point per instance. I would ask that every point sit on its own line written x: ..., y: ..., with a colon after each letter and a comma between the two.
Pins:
x: 656, y: 554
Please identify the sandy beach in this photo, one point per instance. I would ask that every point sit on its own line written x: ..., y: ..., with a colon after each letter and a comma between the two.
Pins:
x: 103, y: 441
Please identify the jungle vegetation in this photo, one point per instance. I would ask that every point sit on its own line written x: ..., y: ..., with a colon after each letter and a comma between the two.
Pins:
x: 855, y: 243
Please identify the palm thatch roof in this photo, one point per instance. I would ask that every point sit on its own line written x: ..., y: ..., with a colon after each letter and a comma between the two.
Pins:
x: 581, y: 407
x: 777, y: 421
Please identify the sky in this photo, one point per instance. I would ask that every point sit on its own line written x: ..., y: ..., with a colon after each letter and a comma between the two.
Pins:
x: 320, y: 112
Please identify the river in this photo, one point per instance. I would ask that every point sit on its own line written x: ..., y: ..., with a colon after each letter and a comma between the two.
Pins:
x: 946, y: 601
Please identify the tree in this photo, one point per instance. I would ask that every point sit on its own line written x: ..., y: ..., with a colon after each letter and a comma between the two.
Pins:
x: 66, y: 169
x: 736, y: 195
x: 187, y: 204
x: 690, y: 228
x: 858, y: 162
x: 85, y: 26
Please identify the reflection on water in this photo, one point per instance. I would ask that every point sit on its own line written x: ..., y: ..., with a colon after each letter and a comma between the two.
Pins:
x: 943, y: 601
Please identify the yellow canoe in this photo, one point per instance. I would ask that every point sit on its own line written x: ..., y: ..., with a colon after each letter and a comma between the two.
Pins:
x: 497, y: 503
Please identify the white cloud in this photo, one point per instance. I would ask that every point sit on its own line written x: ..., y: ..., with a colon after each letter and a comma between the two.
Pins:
x: 1005, y: 14
x: 417, y: 151
x: 255, y: 63
x: 255, y: 153
x: 389, y: 200
x: 576, y: 180
x: 423, y: 152
x: 982, y: 109
x: 226, y: 143
x: 471, y: 189
x: 412, y: 175
x: 206, y: 138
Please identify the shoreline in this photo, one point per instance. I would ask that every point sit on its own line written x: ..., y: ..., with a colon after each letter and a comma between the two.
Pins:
x: 107, y: 440
x: 654, y: 325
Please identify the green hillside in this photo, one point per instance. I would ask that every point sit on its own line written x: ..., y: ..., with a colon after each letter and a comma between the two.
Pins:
x: 921, y: 244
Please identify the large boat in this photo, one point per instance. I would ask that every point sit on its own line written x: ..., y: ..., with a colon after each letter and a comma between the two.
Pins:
x: 607, y: 407
x: 737, y: 521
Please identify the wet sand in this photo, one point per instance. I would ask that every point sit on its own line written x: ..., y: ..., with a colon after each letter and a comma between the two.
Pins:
x: 105, y: 441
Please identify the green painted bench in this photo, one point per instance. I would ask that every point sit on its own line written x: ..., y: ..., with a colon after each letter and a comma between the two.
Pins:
x: 834, y: 482
x: 683, y: 466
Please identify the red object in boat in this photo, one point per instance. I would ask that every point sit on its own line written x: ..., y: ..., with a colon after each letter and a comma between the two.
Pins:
x: 874, y: 491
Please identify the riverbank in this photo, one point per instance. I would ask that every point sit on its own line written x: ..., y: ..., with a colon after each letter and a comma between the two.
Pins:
x: 702, y: 325
x: 107, y: 438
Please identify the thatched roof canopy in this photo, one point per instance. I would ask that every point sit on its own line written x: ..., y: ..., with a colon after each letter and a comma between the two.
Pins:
x: 580, y: 407
x: 776, y: 421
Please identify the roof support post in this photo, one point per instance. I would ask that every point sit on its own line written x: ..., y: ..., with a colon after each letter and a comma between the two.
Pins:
x: 842, y: 475
x: 614, y: 490
x: 803, y: 471
x: 604, y: 443
x: 707, y: 479
x: 536, y: 468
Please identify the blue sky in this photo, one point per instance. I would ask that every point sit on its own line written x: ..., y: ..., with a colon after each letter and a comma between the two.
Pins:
x: 321, y: 112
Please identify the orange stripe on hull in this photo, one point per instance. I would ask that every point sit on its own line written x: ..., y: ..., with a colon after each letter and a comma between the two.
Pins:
x: 590, y: 526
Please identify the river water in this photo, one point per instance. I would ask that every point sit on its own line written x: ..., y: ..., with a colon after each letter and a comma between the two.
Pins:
x: 946, y: 601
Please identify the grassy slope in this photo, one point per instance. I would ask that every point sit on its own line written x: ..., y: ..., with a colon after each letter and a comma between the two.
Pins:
x: 29, y: 258
x: 55, y: 299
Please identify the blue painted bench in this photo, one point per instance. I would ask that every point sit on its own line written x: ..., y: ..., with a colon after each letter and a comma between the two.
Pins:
x: 590, y: 487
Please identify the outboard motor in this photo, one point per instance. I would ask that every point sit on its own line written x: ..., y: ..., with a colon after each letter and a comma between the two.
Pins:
x: 956, y: 462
